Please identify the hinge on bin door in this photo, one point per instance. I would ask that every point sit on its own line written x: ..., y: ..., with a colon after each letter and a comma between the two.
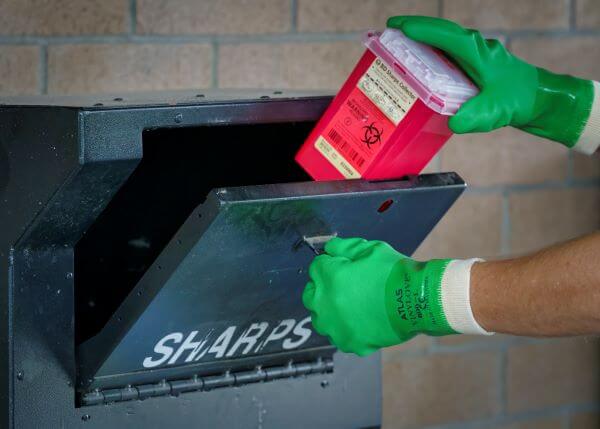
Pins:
x: 205, y: 383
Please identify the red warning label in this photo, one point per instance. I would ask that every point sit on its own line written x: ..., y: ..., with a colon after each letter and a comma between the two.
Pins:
x: 366, y: 120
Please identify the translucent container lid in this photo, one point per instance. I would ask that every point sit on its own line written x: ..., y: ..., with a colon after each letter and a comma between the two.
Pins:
x: 440, y: 84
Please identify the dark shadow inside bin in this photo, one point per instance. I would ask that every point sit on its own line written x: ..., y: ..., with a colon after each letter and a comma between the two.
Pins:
x: 179, y: 168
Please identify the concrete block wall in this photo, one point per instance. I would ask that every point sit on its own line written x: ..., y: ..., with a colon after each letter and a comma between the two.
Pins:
x: 525, y: 192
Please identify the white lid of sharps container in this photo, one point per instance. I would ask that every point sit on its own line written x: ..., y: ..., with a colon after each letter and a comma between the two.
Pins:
x: 440, y: 84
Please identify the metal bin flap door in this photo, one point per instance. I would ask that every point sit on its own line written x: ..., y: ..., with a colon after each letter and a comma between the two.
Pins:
x: 226, y: 291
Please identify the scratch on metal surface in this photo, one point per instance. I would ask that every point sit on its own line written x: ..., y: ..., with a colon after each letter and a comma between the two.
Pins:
x: 261, y: 411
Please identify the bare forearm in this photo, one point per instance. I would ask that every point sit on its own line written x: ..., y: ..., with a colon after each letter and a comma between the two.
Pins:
x: 554, y: 292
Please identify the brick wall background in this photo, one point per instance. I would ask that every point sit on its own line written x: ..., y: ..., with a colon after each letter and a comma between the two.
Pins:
x: 525, y: 192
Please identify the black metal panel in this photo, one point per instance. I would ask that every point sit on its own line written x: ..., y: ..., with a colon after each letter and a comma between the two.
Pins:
x: 43, y: 367
x: 237, y: 266
x: 171, y: 98
x: 108, y: 134
x: 34, y: 161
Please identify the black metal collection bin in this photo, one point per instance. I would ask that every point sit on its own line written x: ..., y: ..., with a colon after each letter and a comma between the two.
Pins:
x: 153, y: 253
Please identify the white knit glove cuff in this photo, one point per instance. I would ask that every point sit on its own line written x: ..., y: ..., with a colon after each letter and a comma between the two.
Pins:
x: 456, y: 298
x: 589, y: 141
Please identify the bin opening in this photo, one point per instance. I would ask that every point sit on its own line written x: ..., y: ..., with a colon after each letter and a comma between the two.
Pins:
x: 178, y: 169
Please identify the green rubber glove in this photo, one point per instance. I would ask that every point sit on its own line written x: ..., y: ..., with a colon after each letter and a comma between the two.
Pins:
x: 512, y: 92
x: 364, y: 295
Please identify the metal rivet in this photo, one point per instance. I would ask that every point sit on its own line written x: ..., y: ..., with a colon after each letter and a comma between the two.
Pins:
x: 98, y: 105
x: 178, y: 118
x: 199, y: 95
x: 324, y: 384
x: 277, y: 92
x: 69, y: 275
x: 117, y: 99
x: 20, y: 375
x: 264, y: 97
x: 86, y: 417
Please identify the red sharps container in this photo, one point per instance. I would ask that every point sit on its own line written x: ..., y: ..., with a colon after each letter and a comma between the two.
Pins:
x: 391, y: 115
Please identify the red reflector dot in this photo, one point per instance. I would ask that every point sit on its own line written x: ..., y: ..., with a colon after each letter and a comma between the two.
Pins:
x: 385, y: 205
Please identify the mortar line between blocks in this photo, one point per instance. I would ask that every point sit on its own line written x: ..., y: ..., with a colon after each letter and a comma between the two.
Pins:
x: 440, y: 10
x: 507, y: 41
x: 132, y: 16
x: 438, y: 162
x: 43, y: 69
x: 570, y: 167
x: 253, y: 38
x: 502, y: 382
x: 544, y: 186
x: 572, y: 10
x: 182, y: 38
x: 565, y: 421
x: 505, y: 226
x: 557, y: 32
x: 215, y: 65
x: 468, y: 348
x: 519, y: 417
x: 293, y: 16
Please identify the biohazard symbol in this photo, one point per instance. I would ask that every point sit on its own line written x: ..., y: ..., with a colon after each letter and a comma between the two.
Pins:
x: 372, y: 135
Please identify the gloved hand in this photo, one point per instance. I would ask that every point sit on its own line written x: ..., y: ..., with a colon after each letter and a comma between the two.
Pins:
x: 364, y: 295
x: 558, y: 107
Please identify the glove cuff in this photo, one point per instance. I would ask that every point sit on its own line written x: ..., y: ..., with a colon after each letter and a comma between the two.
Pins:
x: 562, y: 108
x: 589, y: 141
x: 456, y: 299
